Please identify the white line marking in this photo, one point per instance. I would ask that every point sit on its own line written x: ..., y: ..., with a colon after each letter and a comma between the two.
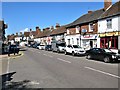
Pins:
x: 48, y: 55
x: 49, y: 52
x: 45, y: 54
x: 39, y: 52
x: 103, y: 72
x: 63, y: 60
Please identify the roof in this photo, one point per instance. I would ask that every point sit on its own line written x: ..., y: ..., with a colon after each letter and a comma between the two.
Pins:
x: 87, y: 18
x: 34, y: 33
x: 44, y: 33
x: 60, y: 30
x: 26, y: 34
x: 113, y: 10
x: 11, y: 37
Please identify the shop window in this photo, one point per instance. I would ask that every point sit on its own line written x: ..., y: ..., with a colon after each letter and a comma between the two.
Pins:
x: 109, y: 23
x: 109, y: 42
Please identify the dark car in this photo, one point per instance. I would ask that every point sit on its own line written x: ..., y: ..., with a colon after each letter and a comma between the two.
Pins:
x: 14, y: 49
x: 48, y: 47
x: 102, y: 54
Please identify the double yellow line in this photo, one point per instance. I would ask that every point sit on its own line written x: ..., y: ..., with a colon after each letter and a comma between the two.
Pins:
x: 16, y: 56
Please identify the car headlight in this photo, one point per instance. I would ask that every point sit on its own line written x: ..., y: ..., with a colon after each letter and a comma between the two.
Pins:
x: 113, y: 56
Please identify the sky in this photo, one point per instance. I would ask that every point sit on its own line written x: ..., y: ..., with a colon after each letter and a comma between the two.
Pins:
x: 21, y: 16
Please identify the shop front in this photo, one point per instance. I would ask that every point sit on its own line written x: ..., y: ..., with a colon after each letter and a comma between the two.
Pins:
x: 89, y: 41
x: 110, y: 40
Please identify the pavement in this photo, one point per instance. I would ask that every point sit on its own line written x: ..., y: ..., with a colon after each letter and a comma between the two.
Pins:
x: 4, y: 61
x: 46, y: 69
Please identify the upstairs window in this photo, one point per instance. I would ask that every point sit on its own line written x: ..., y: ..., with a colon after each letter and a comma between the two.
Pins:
x: 68, y: 32
x: 109, y: 23
x: 91, y: 27
x: 77, y: 29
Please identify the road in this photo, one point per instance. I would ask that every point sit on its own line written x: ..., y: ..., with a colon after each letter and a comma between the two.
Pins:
x: 46, y: 69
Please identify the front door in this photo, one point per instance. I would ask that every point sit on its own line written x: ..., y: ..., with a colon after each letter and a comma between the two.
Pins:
x: 91, y: 44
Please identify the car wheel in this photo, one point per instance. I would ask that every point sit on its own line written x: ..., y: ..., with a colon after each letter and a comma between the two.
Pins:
x: 88, y: 56
x: 106, y: 59
x: 73, y: 53
x: 58, y: 51
x: 65, y: 52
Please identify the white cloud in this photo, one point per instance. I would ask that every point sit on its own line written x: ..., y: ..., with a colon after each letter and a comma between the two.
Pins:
x: 24, y: 30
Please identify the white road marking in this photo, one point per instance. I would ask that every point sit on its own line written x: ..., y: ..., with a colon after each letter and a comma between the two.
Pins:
x: 39, y: 52
x: 100, y: 62
x: 48, y: 55
x: 48, y: 52
x: 63, y: 60
x: 45, y: 54
x: 103, y: 72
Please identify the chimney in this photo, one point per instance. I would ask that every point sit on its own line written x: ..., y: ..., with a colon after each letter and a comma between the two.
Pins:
x: 38, y: 30
x: 52, y: 27
x: 57, y: 25
x: 20, y: 33
x: 16, y: 34
x: 30, y: 30
x: 43, y: 29
x: 107, y: 4
x: 89, y: 12
x: 47, y: 28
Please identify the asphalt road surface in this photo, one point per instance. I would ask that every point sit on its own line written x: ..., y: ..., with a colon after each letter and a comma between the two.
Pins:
x: 47, y: 69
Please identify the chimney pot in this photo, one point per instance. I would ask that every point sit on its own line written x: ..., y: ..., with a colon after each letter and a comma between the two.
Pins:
x: 57, y: 25
x: 107, y: 4
x: 52, y: 27
x: 90, y: 12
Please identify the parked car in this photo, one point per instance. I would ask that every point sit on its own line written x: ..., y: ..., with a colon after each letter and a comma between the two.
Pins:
x: 102, y: 54
x: 74, y: 50
x: 41, y: 47
x: 35, y: 45
x: 58, y: 46
x: 13, y: 49
x: 48, y: 47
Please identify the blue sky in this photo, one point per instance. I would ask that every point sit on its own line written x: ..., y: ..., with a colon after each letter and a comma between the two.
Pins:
x: 22, y: 15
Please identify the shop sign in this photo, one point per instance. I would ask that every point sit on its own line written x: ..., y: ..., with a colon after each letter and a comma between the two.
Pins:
x: 102, y: 35
x: 89, y: 36
x: 109, y: 34
x: 118, y: 33
x: 112, y: 34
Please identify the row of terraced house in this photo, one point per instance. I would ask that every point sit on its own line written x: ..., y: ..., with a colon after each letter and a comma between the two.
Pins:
x: 100, y: 28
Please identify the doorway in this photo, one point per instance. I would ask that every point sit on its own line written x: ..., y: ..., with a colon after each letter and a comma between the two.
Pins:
x: 91, y: 44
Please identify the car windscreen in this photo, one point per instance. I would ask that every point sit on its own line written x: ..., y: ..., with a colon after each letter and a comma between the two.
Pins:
x: 76, y: 46
x: 107, y: 50
x: 61, y: 44
x: 49, y: 46
x: 42, y: 45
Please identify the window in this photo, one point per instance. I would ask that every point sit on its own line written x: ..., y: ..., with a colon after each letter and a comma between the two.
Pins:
x: 109, y: 42
x: 68, y: 41
x: 68, y: 32
x: 91, y: 27
x: 77, y: 29
x: 109, y: 23
x: 72, y: 41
